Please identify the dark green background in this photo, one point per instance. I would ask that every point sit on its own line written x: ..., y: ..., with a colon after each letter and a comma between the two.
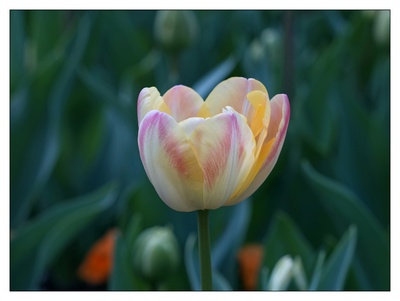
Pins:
x: 75, y: 171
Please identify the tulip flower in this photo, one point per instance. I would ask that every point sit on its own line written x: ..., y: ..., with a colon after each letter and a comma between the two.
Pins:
x: 207, y: 154
x: 202, y: 155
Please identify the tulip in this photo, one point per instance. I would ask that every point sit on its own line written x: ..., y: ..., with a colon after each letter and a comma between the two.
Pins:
x: 156, y: 253
x: 207, y: 154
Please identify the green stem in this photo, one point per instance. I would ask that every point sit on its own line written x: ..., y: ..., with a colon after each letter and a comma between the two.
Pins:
x: 204, y: 250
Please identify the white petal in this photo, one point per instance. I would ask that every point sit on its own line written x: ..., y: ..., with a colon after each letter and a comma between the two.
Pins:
x: 150, y: 99
x: 224, y: 146
x: 170, y: 163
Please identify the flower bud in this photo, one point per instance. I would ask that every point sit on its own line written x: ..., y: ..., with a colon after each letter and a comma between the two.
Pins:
x: 281, y: 274
x: 382, y: 27
x: 272, y: 41
x: 175, y: 30
x: 155, y: 253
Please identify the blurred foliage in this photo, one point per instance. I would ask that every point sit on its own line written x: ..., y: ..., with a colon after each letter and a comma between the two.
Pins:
x: 75, y: 172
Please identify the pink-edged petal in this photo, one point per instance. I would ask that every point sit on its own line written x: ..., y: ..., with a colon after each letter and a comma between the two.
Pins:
x: 190, y: 124
x: 279, y: 122
x: 224, y: 146
x: 183, y: 102
x: 233, y: 92
x: 169, y: 162
x: 150, y: 99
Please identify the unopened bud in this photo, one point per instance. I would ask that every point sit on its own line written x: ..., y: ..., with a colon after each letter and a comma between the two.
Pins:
x: 175, y: 30
x: 382, y: 27
x: 155, y: 253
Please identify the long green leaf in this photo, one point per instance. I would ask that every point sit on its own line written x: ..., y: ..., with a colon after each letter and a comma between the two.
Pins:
x: 191, y: 263
x: 220, y: 283
x: 122, y: 277
x: 40, y: 168
x: 336, y: 269
x: 284, y: 238
x: 225, y: 249
x: 35, y: 245
x: 103, y: 92
x: 193, y: 271
x: 17, y: 38
x: 316, y: 276
x: 345, y: 209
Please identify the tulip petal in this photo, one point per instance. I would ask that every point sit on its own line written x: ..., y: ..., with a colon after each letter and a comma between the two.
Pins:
x: 270, y: 150
x: 183, y: 102
x: 259, y: 122
x: 190, y: 124
x: 150, y: 99
x: 259, y: 113
x: 233, y: 92
x: 224, y: 146
x: 170, y: 163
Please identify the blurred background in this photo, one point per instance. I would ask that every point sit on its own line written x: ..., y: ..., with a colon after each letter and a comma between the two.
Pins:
x: 82, y: 209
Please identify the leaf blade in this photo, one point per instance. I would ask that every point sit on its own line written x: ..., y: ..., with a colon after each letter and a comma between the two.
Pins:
x: 337, y: 266
x: 44, y: 234
x: 340, y: 201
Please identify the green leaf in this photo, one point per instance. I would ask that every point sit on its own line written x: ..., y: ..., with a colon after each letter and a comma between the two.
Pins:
x: 299, y: 276
x: 44, y: 37
x: 44, y: 238
x: 214, y: 77
x: 264, y: 278
x: 345, y: 209
x: 337, y: 266
x: 192, y: 264
x: 316, y: 276
x: 40, y: 163
x: 132, y: 230
x: 219, y: 282
x: 17, y: 38
x: 320, y: 127
x: 223, y: 254
x: 103, y: 92
x: 284, y: 238
x: 193, y: 268
x: 122, y: 277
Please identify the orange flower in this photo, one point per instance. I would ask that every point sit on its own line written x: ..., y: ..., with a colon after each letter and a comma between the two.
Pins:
x: 250, y: 260
x: 97, y: 264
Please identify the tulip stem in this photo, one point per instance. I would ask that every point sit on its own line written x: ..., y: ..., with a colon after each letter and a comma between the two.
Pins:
x: 204, y: 250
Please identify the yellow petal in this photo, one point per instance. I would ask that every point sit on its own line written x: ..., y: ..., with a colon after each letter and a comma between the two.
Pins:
x: 170, y: 163
x: 224, y: 146
x: 259, y: 113
x: 204, y: 111
x: 270, y: 149
x: 259, y: 121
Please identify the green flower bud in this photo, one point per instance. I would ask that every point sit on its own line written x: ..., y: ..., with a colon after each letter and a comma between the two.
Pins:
x: 382, y: 27
x: 271, y: 40
x: 155, y: 253
x: 175, y: 30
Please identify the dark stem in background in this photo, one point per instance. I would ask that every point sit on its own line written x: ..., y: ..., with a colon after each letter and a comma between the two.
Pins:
x: 174, y: 73
x: 288, y: 71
